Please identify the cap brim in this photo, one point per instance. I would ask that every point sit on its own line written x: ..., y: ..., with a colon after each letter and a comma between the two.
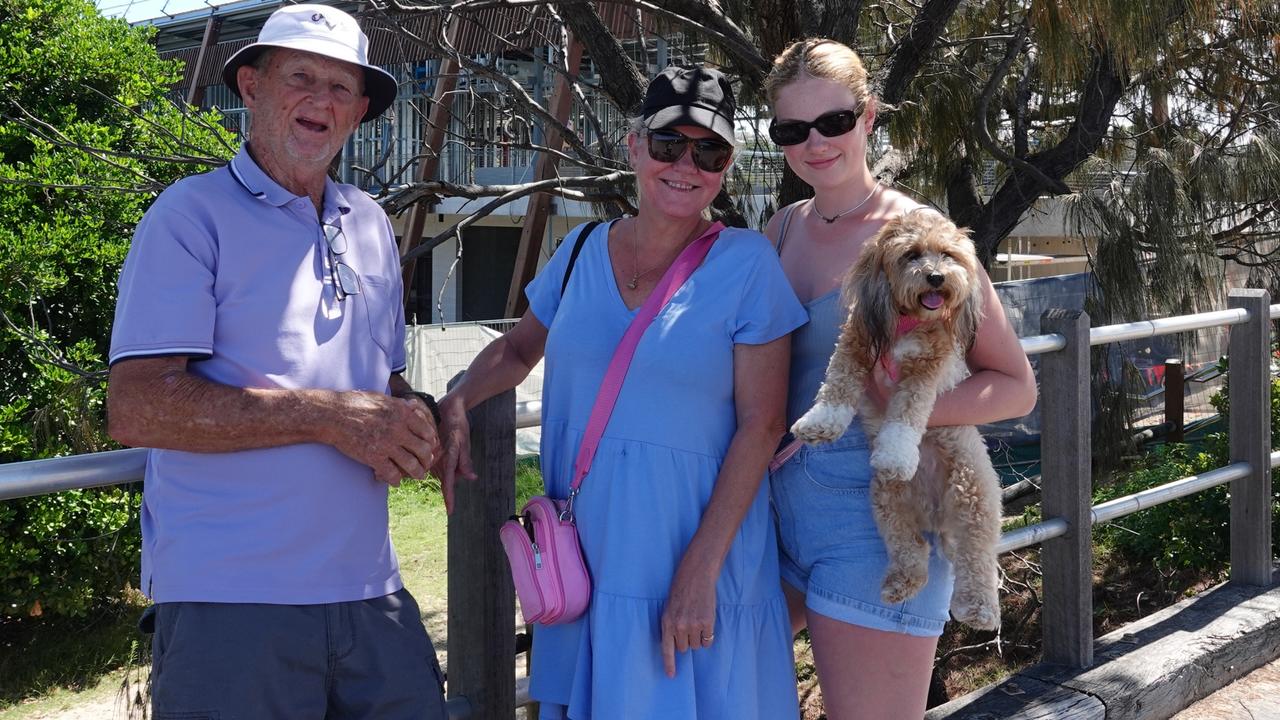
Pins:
x: 380, y: 86
x: 676, y: 115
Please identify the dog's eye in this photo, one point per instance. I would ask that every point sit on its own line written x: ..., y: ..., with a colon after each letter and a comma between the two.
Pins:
x: 912, y: 256
x: 948, y: 256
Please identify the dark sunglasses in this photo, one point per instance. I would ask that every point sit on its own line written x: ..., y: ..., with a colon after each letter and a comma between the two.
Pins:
x: 832, y: 124
x: 345, y: 280
x: 668, y: 146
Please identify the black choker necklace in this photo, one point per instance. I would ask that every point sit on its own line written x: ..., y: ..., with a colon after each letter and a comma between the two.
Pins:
x: 837, y: 216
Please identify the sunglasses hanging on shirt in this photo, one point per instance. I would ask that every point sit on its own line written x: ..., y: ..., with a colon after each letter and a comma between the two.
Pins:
x: 832, y: 124
x: 668, y: 146
x: 345, y: 280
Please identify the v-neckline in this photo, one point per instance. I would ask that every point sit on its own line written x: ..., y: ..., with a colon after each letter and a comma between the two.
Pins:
x: 613, y: 279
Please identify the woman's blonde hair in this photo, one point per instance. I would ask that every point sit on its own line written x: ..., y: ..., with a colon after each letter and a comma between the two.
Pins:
x: 819, y: 58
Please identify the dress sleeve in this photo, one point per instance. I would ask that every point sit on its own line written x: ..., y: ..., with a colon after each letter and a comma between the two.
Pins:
x: 166, y: 304
x: 768, y: 308
x: 543, y: 292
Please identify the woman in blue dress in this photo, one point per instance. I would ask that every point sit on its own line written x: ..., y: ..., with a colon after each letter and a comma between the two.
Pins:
x: 686, y: 618
x: 873, y: 658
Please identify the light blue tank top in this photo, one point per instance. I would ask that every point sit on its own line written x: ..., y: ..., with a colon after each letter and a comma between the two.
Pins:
x: 811, y: 344
x: 811, y: 347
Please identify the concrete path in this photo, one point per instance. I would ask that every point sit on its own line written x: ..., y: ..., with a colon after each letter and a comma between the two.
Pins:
x: 1255, y: 696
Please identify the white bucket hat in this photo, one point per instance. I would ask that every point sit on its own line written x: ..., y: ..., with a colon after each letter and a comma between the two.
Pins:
x: 322, y: 30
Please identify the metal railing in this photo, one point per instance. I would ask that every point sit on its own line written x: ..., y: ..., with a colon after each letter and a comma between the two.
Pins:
x: 481, y: 637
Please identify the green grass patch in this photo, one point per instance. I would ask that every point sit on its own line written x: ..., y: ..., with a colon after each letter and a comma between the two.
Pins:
x: 55, y: 661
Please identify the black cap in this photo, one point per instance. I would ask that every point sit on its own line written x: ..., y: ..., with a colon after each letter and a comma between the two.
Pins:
x: 690, y: 96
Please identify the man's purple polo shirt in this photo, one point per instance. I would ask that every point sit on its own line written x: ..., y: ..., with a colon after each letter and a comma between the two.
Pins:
x: 233, y: 270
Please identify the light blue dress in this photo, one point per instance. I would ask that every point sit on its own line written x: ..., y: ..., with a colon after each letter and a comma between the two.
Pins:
x: 649, y: 485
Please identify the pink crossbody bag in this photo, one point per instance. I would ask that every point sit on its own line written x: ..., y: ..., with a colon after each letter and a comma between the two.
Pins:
x: 541, y: 542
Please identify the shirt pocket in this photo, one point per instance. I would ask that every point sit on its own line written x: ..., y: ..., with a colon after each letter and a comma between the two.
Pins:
x: 379, y: 299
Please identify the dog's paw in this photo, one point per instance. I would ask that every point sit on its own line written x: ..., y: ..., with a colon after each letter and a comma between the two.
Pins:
x: 901, y: 584
x: 823, y: 423
x: 897, y: 450
x: 979, y: 610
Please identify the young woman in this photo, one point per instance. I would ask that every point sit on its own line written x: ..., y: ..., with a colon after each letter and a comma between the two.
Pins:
x: 686, y: 618
x: 873, y: 660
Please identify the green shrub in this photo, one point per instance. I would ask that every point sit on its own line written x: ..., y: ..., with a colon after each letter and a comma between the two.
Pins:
x: 68, y: 553
x: 66, y: 217
x: 1191, y: 533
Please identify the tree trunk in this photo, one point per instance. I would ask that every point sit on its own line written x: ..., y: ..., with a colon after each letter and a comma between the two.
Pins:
x: 620, y: 79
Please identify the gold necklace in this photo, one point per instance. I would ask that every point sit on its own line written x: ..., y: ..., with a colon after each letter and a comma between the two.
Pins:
x: 637, y: 273
x: 837, y: 216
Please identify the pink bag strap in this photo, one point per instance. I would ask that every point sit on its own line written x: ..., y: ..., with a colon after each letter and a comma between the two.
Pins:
x: 688, y: 261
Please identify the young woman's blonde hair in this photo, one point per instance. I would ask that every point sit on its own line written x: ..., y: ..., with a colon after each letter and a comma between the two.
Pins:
x: 819, y: 58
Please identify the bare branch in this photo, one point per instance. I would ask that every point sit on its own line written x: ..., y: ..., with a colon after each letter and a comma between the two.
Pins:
x: 983, y: 135
x: 509, y: 193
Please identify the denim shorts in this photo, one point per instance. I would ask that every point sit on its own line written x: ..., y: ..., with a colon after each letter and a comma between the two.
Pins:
x: 831, y: 550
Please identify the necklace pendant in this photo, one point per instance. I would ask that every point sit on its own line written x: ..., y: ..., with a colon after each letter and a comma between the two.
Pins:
x: 632, y: 285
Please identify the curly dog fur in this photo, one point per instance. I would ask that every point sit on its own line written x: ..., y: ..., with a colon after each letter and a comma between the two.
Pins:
x: 915, y: 301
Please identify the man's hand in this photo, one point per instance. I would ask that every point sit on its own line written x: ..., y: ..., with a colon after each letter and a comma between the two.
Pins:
x: 394, y: 436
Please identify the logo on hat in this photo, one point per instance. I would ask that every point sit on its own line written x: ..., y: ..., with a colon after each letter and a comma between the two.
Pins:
x: 317, y: 17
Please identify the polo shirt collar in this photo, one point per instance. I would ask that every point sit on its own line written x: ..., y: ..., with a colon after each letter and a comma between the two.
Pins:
x: 249, y: 176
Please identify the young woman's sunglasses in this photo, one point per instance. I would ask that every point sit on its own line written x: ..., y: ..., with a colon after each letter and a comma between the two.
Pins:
x: 832, y: 124
x: 668, y: 146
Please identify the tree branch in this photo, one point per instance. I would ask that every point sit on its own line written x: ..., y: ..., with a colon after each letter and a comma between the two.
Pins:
x: 620, y: 79
x: 507, y: 194
x: 909, y: 54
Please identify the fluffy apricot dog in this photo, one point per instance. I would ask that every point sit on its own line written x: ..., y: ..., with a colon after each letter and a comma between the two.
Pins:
x: 914, y: 304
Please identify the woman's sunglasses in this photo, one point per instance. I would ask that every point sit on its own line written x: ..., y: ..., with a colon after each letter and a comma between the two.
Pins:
x: 668, y: 146
x: 832, y: 124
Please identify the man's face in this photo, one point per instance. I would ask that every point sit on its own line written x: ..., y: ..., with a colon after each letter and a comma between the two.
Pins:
x: 304, y: 105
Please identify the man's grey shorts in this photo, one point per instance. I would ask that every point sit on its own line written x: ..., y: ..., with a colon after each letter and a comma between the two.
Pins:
x: 363, y: 659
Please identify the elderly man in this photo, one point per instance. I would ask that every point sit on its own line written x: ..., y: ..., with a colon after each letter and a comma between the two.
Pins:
x: 257, y: 348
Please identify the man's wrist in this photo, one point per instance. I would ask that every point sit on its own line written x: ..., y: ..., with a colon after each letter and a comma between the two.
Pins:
x: 430, y: 402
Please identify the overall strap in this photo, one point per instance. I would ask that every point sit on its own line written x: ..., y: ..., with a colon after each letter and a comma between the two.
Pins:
x: 688, y: 261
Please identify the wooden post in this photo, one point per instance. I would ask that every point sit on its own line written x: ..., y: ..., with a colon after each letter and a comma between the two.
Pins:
x: 482, y: 604
x: 1174, y: 398
x: 1065, y: 447
x: 539, y: 204
x: 1250, y: 429
x: 430, y: 147
x: 212, y: 28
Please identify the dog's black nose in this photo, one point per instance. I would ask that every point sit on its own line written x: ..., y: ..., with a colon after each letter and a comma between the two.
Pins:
x: 935, y: 279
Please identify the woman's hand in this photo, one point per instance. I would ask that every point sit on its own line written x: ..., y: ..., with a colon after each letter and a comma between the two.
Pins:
x: 689, y: 619
x: 455, y: 439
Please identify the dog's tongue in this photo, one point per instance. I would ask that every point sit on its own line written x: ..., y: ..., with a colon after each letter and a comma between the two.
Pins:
x: 931, y: 300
